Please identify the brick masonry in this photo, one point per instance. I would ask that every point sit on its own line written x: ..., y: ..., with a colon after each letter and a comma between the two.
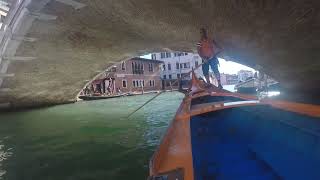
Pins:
x: 147, y: 76
x: 133, y: 75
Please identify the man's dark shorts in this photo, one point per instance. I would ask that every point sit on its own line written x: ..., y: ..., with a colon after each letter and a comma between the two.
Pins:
x: 213, y: 63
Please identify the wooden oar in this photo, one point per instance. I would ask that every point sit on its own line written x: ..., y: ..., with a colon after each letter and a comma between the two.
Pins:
x: 144, y: 104
x: 185, y: 75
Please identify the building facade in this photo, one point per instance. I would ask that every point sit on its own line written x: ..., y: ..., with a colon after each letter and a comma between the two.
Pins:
x: 243, y: 75
x: 176, y: 67
x: 134, y: 75
x: 178, y: 64
x: 229, y: 79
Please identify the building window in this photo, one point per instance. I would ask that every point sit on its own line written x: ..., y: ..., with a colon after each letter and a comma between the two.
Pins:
x: 150, y: 67
x: 124, y: 83
x: 164, y: 76
x: 112, y: 69
x: 138, y: 83
x: 186, y: 65
x: 185, y: 54
x: 168, y: 55
x: 163, y: 67
x: 162, y: 55
x: 153, y: 56
x: 175, y: 54
x: 169, y: 67
x: 134, y: 69
x: 151, y: 83
x: 177, y: 65
x: 181, y: 66
x: 123, y: 66
x: 196, y: 63
x: 140, y: 68
x: 137, y: 68
x: 170, y: 76
x: 178, y: 75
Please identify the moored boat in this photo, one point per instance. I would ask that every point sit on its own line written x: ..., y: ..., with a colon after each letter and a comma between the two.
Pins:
x: 217, y: 134
x: 90, y: 98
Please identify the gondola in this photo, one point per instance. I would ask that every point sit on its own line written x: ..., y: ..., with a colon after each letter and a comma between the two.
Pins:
x: 217, y: 134
x: 91, y: 98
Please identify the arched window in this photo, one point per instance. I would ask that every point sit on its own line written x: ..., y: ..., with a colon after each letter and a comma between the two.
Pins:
x: 163, y: 55
x: 135, y: 68
x: 150, y: 67
x: 123, y: 66
x: 132, y: 67
x: 124, y: 83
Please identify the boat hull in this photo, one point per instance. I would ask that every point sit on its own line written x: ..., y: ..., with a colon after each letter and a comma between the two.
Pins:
x: 233, y: 136
x: 91, y: 98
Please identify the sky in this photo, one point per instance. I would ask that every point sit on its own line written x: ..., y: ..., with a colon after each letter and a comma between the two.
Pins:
x: 227, y: 67
x: 230, y: 67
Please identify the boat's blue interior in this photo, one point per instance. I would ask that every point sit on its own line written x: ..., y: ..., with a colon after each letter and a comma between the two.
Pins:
x: 255, y: 142
x: 209, y: 99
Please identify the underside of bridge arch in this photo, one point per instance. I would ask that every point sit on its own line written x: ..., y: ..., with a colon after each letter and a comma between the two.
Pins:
x: 53, y: 46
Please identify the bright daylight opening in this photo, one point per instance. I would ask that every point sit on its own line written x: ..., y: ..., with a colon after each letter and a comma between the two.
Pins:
x: 167, y: 71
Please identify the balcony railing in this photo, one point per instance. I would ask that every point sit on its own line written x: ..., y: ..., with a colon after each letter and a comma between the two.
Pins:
x: 138, y: 71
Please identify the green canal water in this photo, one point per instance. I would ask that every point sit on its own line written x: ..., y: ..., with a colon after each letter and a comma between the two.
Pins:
x: 86, y: 140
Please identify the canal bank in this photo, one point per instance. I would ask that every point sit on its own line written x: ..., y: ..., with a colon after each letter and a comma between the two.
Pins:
x: 85, y: 140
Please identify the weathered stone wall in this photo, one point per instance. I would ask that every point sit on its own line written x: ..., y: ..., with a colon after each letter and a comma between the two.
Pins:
x: 281, y: 37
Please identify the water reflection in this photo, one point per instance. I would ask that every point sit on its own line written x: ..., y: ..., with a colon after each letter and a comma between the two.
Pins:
x: 4, y: 155
x: 158, y: 117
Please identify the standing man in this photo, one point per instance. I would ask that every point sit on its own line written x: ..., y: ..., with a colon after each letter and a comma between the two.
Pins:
x: 207, y: 50
x: 86, y: 91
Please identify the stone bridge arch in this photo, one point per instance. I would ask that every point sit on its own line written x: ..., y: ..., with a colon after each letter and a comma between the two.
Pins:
x: 50, y: 47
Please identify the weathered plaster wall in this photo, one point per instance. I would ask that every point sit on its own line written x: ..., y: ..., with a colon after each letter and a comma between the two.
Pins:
x: 79, y: 39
